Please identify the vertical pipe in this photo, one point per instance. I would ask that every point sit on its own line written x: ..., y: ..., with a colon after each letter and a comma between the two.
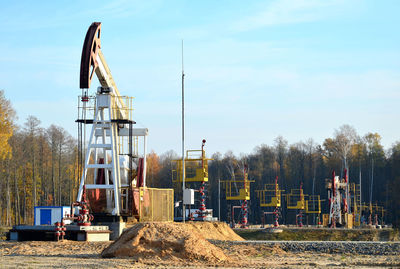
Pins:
x: 130, y: 193
x: 183, y: 139
x: 244, y: 203
x: 360, y: 213
x: 144, y: 159
x: 203, y: 183
x: 233, y: 216
x: 219, y: 199
x: 372, y: 180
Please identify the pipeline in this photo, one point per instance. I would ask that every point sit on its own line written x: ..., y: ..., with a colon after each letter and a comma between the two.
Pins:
x: 83, y: 218
x: 59, y: 231
x: 276, y: 217
x: 202, y: 207
x: 203, y: 185
x: 244, y: 203
x: 299, y: 219
x: 245, y: 213
x: 332, y: 199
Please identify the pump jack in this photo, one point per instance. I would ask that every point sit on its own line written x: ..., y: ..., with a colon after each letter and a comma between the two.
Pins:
x: 112, y: 158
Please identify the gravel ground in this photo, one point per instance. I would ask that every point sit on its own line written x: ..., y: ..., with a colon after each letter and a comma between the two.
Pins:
x: 243, y: 254
x: 340, y: 247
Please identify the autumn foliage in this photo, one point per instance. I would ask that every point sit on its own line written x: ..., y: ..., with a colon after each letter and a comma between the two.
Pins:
x: 39, y: 166
x: 7, y: 115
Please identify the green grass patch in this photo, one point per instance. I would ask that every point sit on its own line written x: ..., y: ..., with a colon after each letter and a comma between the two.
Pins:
x: 305, y: 234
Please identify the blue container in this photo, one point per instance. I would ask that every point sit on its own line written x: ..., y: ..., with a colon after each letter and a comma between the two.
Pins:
x: 48, y: 215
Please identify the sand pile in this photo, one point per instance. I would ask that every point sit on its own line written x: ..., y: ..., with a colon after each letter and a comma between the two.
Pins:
x: 216, y: 231
x: 169, y: 241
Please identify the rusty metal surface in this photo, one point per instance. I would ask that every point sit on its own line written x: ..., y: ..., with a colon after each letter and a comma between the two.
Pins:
x: 91, y: 47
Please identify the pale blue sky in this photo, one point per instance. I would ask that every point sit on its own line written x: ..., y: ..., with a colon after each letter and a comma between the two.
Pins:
x: 254, y: 69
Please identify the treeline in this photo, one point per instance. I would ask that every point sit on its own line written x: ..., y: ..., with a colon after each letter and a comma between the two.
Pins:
x: 306, y: 163
x: 309, y: 164
x: 39, y: 166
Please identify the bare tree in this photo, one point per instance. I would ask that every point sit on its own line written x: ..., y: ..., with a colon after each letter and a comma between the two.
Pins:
x: 230, y: 165
x: 280, y: 147
x: 373, y: 146
x: 42, y: 150
x: 31, y: 127
x: 344, y: 139
x: 312, y: 167
x: 53, y: 140
x: 61, y: 143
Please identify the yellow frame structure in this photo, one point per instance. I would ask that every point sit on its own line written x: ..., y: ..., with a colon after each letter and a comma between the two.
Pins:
x: 374, y: 209
x: 313, y: 204
x: 196, y: 167
x: 355, y: 189
x: 270, y: 196
x: 244, y: 192
x: 380, y: 210
x: 296, y: 203
x: 366, y: 206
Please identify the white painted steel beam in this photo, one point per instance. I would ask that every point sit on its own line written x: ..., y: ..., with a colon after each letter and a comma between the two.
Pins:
x: 99, y: 166
x: 125, y: 132
x: 98, y: 186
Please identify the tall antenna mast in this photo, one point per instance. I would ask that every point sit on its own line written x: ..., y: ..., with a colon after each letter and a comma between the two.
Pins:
x: 183, y: 139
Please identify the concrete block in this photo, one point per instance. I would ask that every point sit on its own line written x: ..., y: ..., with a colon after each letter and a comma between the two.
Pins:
x: 97, y: 237
x: 81, y: 237
x: 116, y: 229
x: 13, y: 236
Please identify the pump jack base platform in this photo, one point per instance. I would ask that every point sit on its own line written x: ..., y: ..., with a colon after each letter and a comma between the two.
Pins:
x: 47, y: 233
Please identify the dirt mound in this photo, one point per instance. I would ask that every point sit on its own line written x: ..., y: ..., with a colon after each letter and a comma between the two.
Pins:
x: 52, y: 248
x: 216, y: 231
x: 164, y: 241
